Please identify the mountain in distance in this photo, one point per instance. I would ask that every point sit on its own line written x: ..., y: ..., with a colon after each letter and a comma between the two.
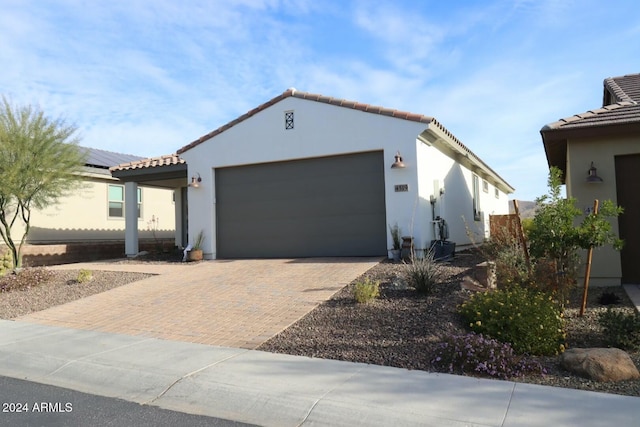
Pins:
x: 527, y: 209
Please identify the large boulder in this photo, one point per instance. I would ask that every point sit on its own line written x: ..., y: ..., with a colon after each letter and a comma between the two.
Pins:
x: 600, y: 364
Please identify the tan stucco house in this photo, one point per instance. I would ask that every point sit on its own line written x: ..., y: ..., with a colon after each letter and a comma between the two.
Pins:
x: 599, y: 153
x: 95, y: 212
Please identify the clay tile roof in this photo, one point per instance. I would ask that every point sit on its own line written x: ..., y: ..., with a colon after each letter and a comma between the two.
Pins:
x: 311, y: 97
x: 152, y: 162
x: 614, y: 114
x: 624, y: 88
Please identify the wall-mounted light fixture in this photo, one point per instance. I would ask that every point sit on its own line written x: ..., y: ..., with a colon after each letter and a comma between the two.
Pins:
x: 195, y: 181
x: 593, y: 177
x: 398, y: 164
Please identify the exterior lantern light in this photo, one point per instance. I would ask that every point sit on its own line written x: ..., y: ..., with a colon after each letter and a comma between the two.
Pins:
x: 593, y: 177
x: 398, y: 164
x: 195, y: 181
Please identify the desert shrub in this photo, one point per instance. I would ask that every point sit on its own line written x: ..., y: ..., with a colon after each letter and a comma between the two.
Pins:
x: 366, y: 291
x: 531, y: 321
x: 527, y: 225
x: 6, y: 263
x: 608, y: 298
x: 84, y: 275
x: 24, y: 279
x: 423, y: 273
x: 508, y: 254
x: 555, y: 235
x: 476, y: 355
x: 621, y: 329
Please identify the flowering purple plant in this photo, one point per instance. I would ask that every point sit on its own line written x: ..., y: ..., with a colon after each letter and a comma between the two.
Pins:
x: 476, y: 355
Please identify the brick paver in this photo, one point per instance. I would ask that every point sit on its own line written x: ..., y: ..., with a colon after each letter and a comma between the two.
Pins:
x: 234, y: 303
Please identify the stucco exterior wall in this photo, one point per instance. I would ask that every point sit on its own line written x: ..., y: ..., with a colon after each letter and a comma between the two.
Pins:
x: 606, y: 268
x: 84, y: 216
x: 450, y: 185
x: 323, y: 130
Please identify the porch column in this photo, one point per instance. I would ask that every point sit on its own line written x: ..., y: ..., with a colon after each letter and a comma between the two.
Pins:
x: 131, y: 218
x: 177, y: 199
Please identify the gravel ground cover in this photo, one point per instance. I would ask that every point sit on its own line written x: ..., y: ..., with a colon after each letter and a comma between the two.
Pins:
x: 60, y: 288
x: 401, y: 328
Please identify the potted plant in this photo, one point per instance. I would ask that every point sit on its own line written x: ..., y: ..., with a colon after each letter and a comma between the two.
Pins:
x: 394, y: 253
x: 195, y: 254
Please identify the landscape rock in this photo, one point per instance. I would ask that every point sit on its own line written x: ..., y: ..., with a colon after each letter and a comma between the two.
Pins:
x: 485, y: 274
x: 600, y: 364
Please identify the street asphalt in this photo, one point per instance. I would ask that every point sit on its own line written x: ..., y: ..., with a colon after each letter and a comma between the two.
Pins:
x: 26, y: 403
x: 268, y: 389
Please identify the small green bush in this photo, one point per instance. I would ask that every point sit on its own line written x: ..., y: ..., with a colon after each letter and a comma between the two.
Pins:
x: 25, y: 279
x: 529, y: 320
x: 476, y: 355
x: 621, y: 329
x: 366, y: 291
x: 6, y: 263
x: 84, y: 276
x: 423, y: 273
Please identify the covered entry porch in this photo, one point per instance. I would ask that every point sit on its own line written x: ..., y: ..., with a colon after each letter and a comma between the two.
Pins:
x: 169, y: 172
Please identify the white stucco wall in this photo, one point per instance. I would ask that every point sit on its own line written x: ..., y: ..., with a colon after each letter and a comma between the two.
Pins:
x: 606, y: 269
x: 320, y: 130
x: 451, y: 186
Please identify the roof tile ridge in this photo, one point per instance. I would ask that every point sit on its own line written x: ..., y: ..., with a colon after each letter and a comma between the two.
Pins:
x: 589, y: 113
x: 616, y: 89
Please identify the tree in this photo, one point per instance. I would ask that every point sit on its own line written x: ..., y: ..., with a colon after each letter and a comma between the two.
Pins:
x: 39, y: 162
x: 554, y: 234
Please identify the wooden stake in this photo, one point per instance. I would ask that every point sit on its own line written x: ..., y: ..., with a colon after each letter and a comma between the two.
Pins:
x: 587, y: 272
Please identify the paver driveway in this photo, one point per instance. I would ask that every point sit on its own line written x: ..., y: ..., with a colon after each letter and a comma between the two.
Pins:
x: 234, y: 303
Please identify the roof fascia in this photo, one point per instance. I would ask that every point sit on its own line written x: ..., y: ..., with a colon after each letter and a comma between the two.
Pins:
x: 152, y: 174
x: 435, y: 136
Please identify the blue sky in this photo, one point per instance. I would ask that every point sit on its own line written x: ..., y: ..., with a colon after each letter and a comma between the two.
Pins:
x: 148, y: 77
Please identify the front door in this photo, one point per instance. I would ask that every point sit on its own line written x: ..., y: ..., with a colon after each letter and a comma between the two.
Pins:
x: 627, y: 179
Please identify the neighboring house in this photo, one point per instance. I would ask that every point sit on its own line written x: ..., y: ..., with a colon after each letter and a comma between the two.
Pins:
x: 599, y: 153
x: 308, y: 175
x: 96, y: 210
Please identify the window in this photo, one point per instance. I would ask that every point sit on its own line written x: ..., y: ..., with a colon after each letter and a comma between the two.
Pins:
x: 116, y: 201
x: 497, y: 193
x: 476, y: 198
x: 485, y: 186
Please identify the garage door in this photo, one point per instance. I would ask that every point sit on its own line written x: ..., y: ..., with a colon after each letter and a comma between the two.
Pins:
x: 330, y: 206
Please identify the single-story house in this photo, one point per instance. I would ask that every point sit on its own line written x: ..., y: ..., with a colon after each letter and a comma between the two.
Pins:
x: 599, y: 154
x: 96, y: 210
x: 307, y: 175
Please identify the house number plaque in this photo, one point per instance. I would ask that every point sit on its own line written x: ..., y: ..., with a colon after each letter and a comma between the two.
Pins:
x: 401, y: 187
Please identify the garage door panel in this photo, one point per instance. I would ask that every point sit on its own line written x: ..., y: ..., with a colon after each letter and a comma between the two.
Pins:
x: 315, y: 207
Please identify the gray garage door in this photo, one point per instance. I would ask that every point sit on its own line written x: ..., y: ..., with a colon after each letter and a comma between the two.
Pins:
x: 330, y: 206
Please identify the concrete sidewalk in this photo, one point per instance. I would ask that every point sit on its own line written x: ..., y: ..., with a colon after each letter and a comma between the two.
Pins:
x: 281, y: 390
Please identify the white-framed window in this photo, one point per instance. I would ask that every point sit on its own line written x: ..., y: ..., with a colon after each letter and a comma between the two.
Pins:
x: 476, y: 198
x: 497, y: 192
x: 116, y: 201
x: 485, y: 186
